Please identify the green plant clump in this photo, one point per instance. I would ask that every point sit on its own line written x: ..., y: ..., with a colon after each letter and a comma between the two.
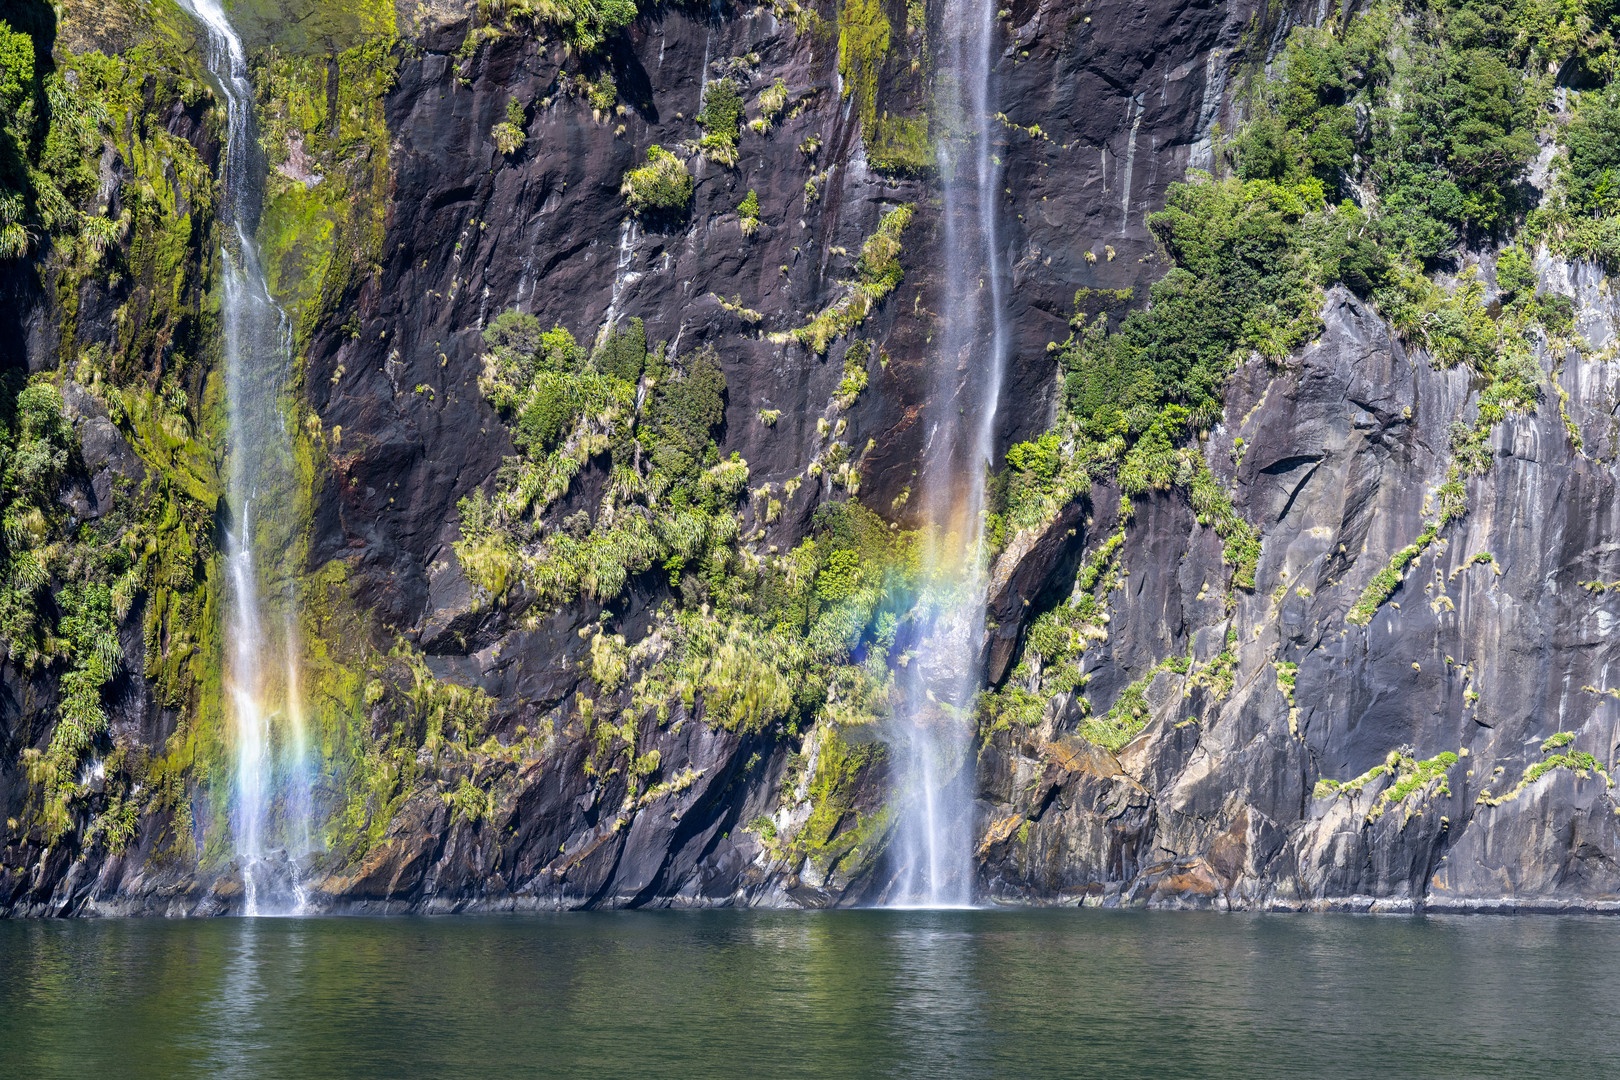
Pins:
x: 662, y: 185
x: 1410, y: 776
x: 588, y: 24
x: 748, y: 213
x: 877, y: 273
x: 721, y: 117
x: 508, y: 134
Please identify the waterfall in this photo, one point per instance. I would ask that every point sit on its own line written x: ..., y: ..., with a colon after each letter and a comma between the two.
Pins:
x: 271, y: 745
x: 939, y: 685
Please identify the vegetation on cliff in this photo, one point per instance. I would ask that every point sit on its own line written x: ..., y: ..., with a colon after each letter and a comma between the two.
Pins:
x: 662, y: 185
x: 109, y: 551
x: 1383, y: 147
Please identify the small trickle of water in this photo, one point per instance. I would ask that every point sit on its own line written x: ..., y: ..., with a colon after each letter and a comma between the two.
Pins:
x: 272, y: 756
x: 623, y: 277
x: 935, y: 728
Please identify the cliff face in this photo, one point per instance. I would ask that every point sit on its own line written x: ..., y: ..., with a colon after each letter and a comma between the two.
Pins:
x: 1361, y: 724
x: 1489, y: 645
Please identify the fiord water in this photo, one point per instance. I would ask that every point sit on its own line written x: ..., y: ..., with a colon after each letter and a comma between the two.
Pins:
x: 272, y: 801
x: 829, y: 995
x: 939, y: 685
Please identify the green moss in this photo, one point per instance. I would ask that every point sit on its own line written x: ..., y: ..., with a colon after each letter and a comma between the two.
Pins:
x: 326, y: 197
x: 863, y: 46
x: 832, y: 788
x: 72, y: 588
x: 867, y: 64
x: 899, y: 145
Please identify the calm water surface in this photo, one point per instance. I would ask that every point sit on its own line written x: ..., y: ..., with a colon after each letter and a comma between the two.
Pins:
x: 823, y: 994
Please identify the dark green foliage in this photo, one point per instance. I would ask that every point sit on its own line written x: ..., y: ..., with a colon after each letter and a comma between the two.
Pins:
x: 688, y: 406
x: 623, y: 353
x: 514, y: 340
x: 520, y: 347
x: 866, y: 578
x: 1456, y: 148
x: 1346, y: 247
x: 1514, y: 274
x: 549, y: 416
x: 35, y: 461
x: 722, y: 111
x: 1444, y: 129
x: 533, y: 379
x: 1238, y: 280
x: 1592, y: 178
x: 721, y: 117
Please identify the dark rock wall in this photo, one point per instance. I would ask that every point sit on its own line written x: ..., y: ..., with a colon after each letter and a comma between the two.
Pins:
x: 1105, y: 103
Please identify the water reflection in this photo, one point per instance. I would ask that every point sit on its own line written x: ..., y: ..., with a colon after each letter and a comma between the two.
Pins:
x: 938, y: 1005
x: 827, y: 995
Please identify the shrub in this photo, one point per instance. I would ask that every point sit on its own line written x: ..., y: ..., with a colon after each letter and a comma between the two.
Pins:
x: 771, y: 101
x: 662, y: 185
x: 623, y: 353
x: 508, y: 134
x: 587, y: 23
x: 721, y: 117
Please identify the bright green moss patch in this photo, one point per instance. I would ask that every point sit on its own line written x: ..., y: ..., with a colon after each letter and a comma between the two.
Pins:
x: 869, y: 62
x: 326, y: 195
x: 836, y: 780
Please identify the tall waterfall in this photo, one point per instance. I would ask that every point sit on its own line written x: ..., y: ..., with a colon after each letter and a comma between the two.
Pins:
x: 939, y: 686
x: 271, y: 807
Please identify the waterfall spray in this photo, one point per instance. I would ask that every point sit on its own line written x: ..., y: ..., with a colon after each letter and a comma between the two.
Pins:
x: 939, y: 687
x: 271, y: 745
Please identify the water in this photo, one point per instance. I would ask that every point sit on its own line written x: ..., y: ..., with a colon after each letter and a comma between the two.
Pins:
x: 812, y: 994
x: 262, y: 670
x: 934, y: 839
